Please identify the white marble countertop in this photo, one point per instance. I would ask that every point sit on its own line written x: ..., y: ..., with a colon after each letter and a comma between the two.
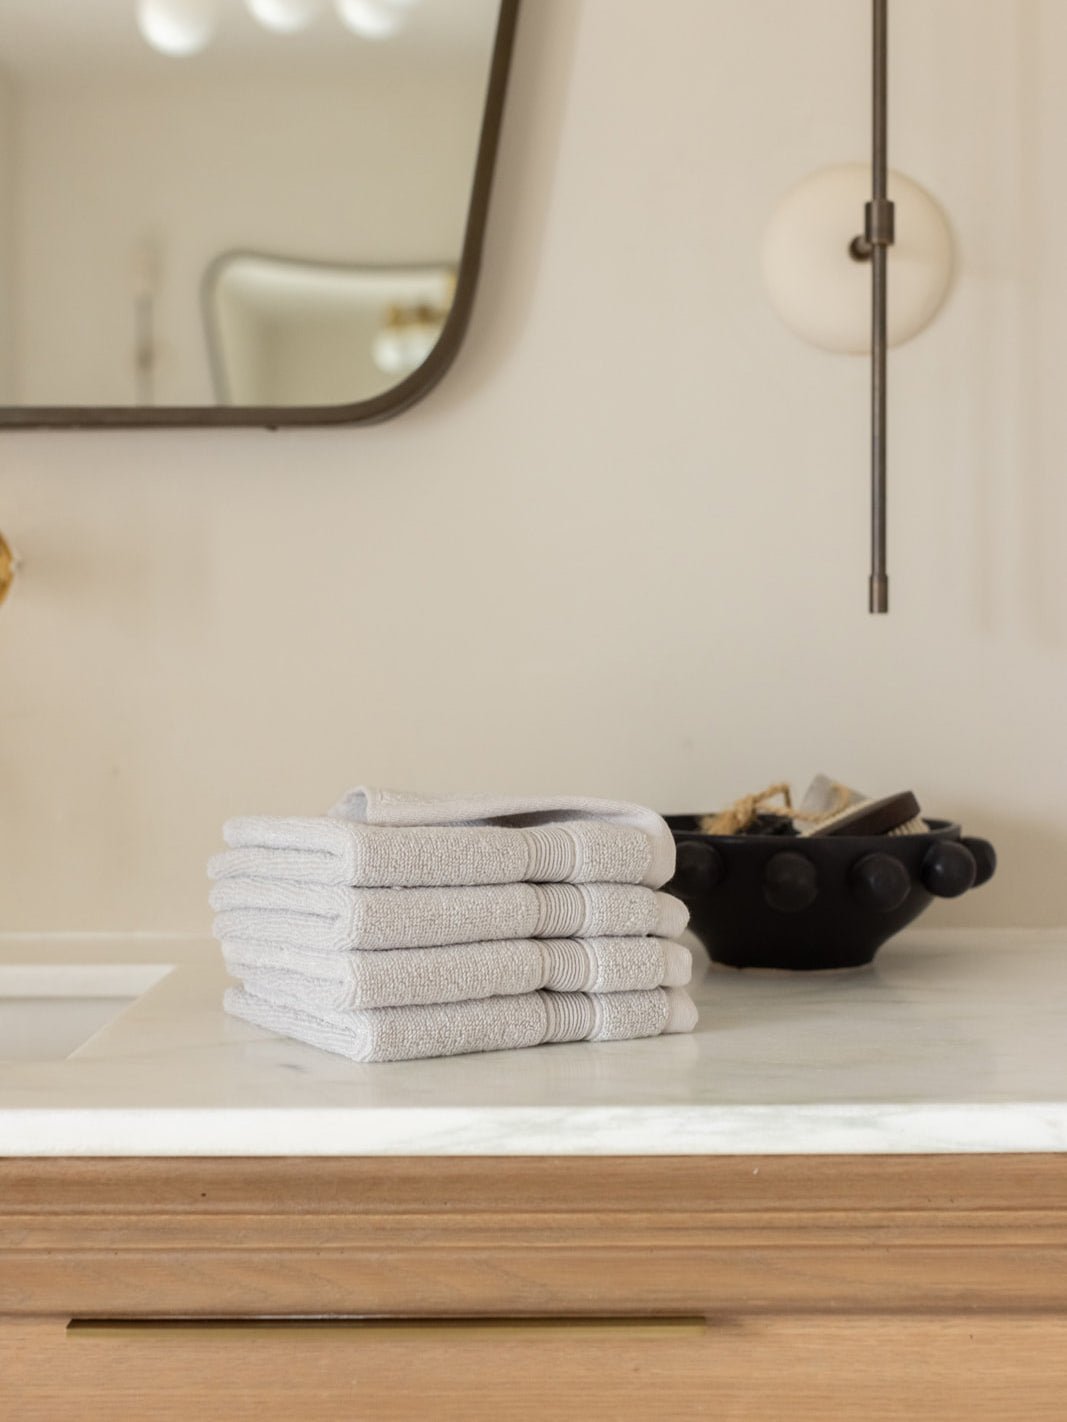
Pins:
x: 953, y: 1042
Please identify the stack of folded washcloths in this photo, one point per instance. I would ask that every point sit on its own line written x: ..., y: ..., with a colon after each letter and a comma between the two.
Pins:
x: 403, y: 926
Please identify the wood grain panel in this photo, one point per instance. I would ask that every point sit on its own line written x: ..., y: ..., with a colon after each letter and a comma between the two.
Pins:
x: 572, y: 1236
x: 804, y: 1369
x: 400, y: 1185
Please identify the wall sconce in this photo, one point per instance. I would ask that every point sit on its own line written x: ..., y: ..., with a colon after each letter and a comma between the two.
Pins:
x: 8, y: 566
x: 816, y: 270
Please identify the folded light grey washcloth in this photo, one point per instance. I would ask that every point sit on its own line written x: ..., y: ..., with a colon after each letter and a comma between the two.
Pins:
x: 324, y: 919
x: 326, y: 850
x: 404, y: 809
x: 388, y: 1034
x: 406, y: 976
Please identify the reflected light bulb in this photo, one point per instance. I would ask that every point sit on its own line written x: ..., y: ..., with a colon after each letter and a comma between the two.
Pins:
x: 399, y: 353
x: 406, y: 337
x: 371, y: 19
x: 284, y: 16
x: 177, y: 27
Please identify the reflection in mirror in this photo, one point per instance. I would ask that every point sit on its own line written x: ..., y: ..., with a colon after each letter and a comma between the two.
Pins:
x: 285, y: 332
x: 153, y: 152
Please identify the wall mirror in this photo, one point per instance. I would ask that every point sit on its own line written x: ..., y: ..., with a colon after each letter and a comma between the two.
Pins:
x: 240, y: 212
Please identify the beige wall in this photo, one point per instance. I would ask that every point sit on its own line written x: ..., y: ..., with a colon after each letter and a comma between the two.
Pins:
x: 622, y: 548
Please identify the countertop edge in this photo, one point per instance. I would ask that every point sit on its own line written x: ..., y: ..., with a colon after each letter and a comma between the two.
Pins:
x: 867, y: 1128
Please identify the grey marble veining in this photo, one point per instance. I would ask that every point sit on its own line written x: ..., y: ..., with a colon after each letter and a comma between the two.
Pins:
x: 953, y: 1041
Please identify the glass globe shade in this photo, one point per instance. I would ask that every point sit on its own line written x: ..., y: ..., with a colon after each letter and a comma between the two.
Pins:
x: 285, y: 16
x: 370, y: 19
x: 177, y: 27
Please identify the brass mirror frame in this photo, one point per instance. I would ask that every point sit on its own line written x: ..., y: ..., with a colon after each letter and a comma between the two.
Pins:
x: 361, y: 412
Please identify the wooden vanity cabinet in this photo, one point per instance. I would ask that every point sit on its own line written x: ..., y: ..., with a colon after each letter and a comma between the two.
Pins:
x: 471, y: 1288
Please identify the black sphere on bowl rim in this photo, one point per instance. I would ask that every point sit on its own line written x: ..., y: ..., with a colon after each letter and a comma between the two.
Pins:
x: 825, y: 901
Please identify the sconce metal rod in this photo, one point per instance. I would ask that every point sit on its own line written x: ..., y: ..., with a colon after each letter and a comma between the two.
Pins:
x: 144, y: 350
x: 873, y: 246
x: 878, y: 234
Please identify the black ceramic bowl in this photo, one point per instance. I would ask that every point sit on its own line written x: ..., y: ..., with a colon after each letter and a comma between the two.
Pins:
x: 828, y: 901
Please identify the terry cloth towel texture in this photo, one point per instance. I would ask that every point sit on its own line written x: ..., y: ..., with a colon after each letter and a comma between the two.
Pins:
x: 406, y: 976
x: 324, y: 918
x: 334, y: 851
x: 388, y: 1034
x: 404, y: 809
x: 402, y: 926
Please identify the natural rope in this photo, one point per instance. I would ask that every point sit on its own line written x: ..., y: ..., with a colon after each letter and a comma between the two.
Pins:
x: 737, y: 817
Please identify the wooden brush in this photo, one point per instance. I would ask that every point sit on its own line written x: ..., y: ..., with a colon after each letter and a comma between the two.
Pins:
x: 894, y: 815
